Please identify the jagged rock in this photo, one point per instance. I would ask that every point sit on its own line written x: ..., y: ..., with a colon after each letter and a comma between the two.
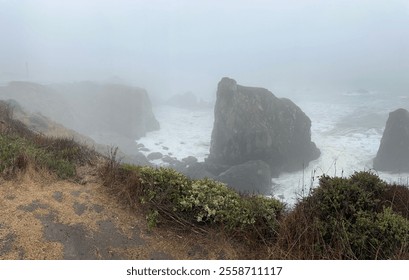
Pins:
x: 253, y: 124
x: 250, y: 177
x: 155, y: 155
x: 169, y: 159
x: 189, y: 160
x: 393, y: 153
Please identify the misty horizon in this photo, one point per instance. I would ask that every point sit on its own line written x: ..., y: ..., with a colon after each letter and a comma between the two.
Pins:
x: 172, y: 47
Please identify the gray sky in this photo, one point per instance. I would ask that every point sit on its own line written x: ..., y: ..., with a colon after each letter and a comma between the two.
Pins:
x: 176, y: 46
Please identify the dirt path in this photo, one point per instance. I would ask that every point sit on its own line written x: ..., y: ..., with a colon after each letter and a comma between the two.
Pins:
x: 45, y: 218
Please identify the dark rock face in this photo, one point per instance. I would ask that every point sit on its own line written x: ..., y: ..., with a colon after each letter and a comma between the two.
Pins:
x: 250, y: 177
x: 393, y: 153
x: 253, y: 124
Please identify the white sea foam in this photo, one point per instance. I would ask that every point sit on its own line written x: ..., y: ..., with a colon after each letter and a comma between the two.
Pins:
x: 182, y: 132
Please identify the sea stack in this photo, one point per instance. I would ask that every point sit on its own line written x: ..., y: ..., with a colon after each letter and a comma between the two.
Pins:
x: 393, y: 153
x: 252, y: 124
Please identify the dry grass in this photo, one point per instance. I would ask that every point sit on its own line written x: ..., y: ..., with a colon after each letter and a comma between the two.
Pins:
x: 397, y: 197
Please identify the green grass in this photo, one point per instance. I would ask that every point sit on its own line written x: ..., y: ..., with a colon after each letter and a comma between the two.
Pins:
x: 16, y: 152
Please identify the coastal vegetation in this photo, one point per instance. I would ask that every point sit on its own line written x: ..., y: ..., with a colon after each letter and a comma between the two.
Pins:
x: 359, y: 217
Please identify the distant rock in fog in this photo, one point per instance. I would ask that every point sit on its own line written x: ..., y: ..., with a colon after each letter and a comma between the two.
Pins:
x: 112, y: 114
x: 187, y: 100
x: 393, y: 153
x: 253, y: 124
x: 111, y: 107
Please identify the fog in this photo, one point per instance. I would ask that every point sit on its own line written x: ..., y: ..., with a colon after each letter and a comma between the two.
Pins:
x: 170, y: 47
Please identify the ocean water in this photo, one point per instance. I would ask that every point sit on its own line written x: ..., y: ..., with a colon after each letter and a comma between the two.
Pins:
x: 182, y: 132
x: 347, y: 129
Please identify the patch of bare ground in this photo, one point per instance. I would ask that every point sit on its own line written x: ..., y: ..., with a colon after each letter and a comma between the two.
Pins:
x: 43, y: 217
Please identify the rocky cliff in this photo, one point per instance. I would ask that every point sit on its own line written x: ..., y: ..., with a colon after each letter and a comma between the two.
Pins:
x: 393, y: 153
x: 253, y: 124
x: 121, y: 109
x: 109, y: 113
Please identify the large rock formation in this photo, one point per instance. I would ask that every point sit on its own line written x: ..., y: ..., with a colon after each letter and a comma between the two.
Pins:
x: 250, y: 177
x: 111, y: 114
x: 393, y: 153
x: 253, y: 124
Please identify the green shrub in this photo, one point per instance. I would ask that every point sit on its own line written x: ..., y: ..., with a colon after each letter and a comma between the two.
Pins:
x: 202, y: 202
x: 161, y: 186
x: 378, y: 235
x: 211, y: 201
x: 152, y: 218
x: 350, y: 218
